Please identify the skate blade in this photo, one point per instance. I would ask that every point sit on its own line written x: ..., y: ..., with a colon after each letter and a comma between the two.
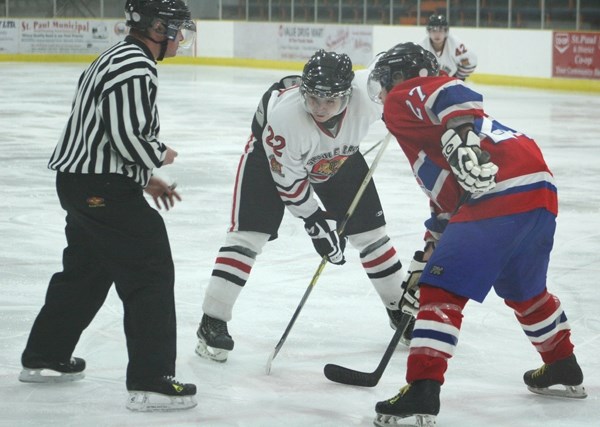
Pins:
x: 421, y: 420
x: 48, y: 376
x: 143, y: 401
x: 207, y: 352
x: 570, y: 391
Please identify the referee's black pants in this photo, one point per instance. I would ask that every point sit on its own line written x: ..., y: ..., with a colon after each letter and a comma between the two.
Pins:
x: 113, y: 236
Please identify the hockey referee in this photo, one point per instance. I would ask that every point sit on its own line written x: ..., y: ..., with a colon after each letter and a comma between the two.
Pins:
x: 104, y: 161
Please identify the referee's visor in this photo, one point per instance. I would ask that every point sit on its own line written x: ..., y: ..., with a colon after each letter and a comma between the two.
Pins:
x: 188, y: 31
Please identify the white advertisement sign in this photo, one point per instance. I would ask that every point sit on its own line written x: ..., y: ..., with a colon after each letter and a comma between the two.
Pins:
x: 297, y: 42
x: 9, y: 34
x: 62, y: 36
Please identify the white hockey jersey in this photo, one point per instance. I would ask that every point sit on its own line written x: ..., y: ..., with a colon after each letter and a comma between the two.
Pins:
x: 455, y: 59
x: 303, y: 152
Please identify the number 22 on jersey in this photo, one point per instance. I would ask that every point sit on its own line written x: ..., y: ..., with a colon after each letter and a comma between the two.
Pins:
x: 276, y: 142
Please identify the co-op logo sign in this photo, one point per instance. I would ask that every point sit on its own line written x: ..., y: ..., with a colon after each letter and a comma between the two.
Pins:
x: 561, y: 42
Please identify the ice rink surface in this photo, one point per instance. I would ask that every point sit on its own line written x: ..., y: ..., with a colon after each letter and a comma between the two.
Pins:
x: 205, y: 115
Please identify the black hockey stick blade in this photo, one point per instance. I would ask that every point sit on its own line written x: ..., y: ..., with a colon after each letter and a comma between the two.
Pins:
x: 342, y: 375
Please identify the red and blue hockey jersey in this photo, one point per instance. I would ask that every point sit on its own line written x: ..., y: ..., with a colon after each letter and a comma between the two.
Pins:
x: 417, y: 111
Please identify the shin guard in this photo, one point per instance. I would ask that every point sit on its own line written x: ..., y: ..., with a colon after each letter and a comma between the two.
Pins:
x: 383, y: 267
x: 435, y: 334
x: 545, y: 324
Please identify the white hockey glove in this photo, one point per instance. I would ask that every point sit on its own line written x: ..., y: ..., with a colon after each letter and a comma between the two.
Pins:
x: 471, y: 166
x: 325, y: 238
x: 410, y: 300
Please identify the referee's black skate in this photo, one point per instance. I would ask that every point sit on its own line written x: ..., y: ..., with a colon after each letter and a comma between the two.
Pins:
x: 214, y: 341
x: 36, y: 370
x: 395, y: 319
x: 564, y: 373
x: 420, y: 399
x: 160, y: 394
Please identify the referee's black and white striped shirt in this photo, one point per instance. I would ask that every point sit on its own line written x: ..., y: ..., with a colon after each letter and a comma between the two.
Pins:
x: 114, y: 126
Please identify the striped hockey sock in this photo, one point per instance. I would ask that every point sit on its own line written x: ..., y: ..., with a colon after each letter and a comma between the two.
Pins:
x: 545, y: 324
x: 385, y: 272
x: 231, y: 271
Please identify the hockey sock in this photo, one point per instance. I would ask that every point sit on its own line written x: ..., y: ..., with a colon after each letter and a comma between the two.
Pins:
x: 435, y: 334
x: 545, y: 324
x: 383, y: 267
x: 230, y: 273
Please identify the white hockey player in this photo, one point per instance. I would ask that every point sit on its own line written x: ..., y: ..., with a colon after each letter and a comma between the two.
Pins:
x: 305, y: 143
x: 451, y: 53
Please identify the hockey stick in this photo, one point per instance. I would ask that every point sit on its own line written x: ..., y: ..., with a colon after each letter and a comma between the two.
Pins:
x: 374, y: 146
x: 341, y: 229
x: 340, y: 374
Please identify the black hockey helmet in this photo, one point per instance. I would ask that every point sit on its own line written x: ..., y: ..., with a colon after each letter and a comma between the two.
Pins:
x: 174, y: 14
x: 402, y: 62
x: 437, y: 22
x: 327, y: 75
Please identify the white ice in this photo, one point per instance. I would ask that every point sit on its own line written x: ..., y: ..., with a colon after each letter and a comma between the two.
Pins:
x: 206, y: 114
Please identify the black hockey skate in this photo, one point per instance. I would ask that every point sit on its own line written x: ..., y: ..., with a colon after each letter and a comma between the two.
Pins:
x: 421, y: 400
x: 396, y: 319
x: 565, y: 372
x: 36, y: 370
x: 214, y: 341
x: 160, y: 394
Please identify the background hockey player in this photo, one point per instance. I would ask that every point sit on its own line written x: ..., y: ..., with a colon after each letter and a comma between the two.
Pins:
x: 305, y: 141
x: 104, y: 161
x: 452, y: 54
x: 494, y: 204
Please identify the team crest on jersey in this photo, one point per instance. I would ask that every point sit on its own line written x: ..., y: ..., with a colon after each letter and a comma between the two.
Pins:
x: 95, y: 202
x: 326, y: 168
x: 275, y: 166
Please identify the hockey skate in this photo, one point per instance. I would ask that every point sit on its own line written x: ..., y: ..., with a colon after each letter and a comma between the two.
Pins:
x: 395, y: 319
x: 40, y: 371
x: 214, y: 341
x: 161, y: 394
x: 565, y: 373
x: 421, y: 400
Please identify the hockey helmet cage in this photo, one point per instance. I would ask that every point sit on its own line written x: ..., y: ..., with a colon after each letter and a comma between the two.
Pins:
x: 402, y: 62
x: 174, y: 14
x: 327, y: 75
x: 437, y: 23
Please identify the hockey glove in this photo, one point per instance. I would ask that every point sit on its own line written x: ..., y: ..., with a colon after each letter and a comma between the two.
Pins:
x: 410, y: 299
x: 471, y: 166
x: 327, y: 242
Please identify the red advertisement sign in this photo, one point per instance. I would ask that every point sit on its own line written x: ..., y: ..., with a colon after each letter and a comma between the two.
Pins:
x: 576, y: 55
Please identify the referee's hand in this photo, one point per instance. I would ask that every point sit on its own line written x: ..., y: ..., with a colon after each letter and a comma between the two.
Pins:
x: 164, y: 195
x: 169, y: 156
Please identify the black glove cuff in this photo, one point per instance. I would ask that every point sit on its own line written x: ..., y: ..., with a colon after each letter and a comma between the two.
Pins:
x: 314, y: 218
